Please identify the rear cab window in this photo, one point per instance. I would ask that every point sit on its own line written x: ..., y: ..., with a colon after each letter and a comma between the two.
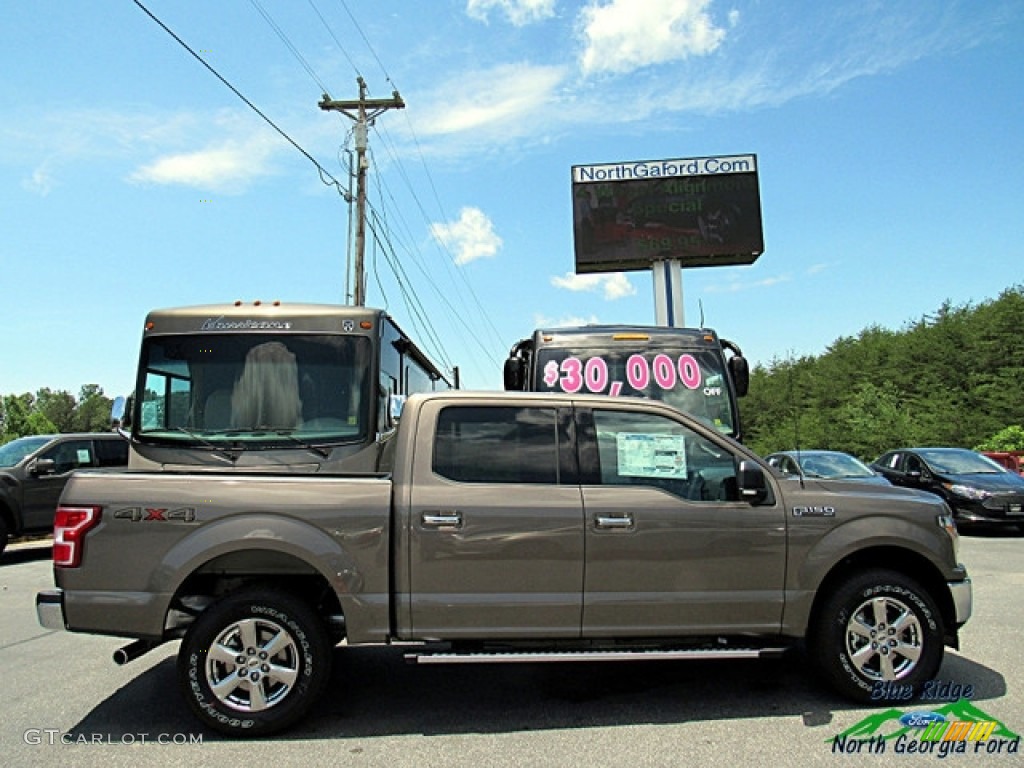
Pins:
x: 504, y: 444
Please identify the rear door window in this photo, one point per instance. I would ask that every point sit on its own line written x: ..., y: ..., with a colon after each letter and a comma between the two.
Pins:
x: 112, y: 453
x: 498, y: 445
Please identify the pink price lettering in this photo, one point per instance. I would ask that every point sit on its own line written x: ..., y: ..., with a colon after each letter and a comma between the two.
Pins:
x: 573, y: 375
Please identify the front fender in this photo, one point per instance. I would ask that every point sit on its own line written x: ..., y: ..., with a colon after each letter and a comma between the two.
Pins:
x: 888, y: 541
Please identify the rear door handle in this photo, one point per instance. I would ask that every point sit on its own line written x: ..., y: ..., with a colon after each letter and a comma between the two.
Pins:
x: 441, y: 519
x: 625, y: 521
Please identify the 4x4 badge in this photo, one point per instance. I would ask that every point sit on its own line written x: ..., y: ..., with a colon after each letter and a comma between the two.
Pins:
x: 156, y: 514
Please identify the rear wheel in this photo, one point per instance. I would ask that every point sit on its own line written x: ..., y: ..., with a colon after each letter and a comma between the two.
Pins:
x: 254, y: 662
x: 878, y: 637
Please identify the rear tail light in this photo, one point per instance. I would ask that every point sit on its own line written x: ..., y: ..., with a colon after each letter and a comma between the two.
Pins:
x: 70, y: 524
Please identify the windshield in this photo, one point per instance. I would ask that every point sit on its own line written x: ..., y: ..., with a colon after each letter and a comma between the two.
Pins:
x: 692, y: 380
x: 833, y: 465
x: 254, y: 389
x: 960, y: 463
x: 16, y: 450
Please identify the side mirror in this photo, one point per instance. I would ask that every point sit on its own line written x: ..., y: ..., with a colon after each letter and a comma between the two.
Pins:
x: 396, y: 403
x: 515, y: 374
x: 117, y: 409
x: 121, y: 413
x: 752, y: 483
x: 739, y: 371
x: 42, y: 467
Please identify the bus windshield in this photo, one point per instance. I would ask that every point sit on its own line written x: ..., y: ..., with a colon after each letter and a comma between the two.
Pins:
x: 255, y: 389
x: 690, y: 379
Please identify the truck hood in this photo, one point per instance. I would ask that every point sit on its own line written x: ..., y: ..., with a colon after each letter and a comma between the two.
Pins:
x: 848, y: 488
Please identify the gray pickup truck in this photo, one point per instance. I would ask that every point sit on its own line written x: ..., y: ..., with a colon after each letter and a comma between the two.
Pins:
x: 507, y: 527
x: 34, y: 469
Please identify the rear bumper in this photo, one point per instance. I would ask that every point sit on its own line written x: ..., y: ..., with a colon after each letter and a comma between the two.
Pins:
x: 50, y: 609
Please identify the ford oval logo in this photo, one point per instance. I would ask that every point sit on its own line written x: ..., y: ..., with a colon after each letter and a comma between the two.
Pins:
x: 921, y: 719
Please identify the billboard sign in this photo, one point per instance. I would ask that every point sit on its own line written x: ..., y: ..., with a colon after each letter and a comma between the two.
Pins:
x: 703, y: 212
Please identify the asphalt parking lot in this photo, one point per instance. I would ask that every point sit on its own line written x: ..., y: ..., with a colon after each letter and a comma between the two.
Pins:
x: 67, y: 703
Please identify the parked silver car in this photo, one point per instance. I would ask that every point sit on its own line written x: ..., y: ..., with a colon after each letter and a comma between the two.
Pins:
x: 825, y: 465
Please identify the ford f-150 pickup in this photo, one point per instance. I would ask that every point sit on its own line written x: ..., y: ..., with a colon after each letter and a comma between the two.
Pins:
x: 506, y: 527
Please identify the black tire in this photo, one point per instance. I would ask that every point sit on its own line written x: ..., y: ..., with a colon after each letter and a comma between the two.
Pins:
x: 4, y: 536
x: 254, y: 662
x: 878, y: 637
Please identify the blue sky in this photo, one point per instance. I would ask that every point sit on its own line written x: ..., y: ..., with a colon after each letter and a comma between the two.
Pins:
x: 888, y: 137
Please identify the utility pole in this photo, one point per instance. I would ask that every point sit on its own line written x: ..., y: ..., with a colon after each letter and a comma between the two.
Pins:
x: 365, y: 110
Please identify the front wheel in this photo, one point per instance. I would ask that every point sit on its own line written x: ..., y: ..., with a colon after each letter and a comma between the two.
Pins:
x: 878, y: 637
x: 254, y: 662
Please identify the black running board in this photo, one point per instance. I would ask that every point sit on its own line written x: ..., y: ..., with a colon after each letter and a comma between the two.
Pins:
x: 532, y: 657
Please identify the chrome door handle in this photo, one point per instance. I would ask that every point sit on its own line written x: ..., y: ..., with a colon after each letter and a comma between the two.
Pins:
x: 614, y: 522
x: 440, y: 519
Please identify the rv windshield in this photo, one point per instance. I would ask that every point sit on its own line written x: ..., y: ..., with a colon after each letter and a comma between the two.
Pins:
x: 249, y: 389
x: 690, y: 379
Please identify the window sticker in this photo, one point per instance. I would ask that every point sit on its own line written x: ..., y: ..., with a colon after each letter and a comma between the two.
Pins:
x: 643, y: 455
x: 83, y: 456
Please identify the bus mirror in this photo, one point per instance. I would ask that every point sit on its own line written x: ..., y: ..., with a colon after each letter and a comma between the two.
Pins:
x: 515, y: 374
x: 121, y: 412
x: 739, y: 370
x: 395, y: 405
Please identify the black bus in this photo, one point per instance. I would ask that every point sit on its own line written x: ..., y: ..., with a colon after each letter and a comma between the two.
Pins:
x: 689, y: 368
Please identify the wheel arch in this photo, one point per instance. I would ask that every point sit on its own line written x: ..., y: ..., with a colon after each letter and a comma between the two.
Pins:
x: 257, y: 568
x: 342, y: 583
x: 900, y: 560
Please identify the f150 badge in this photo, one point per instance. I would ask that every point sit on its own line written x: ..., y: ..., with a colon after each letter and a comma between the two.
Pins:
x: 814, y: 511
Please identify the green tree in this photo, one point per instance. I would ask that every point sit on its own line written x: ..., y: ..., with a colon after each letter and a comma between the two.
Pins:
x: 16, y: 410
x: 58, y: 407
x: 954, y: 377
x: 93, y: 411
x: 1009, y: 439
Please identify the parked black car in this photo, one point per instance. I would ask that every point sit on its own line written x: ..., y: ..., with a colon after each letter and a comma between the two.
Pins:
x: 825, y: 465
x: 34, y: 469
x: 978, y: 489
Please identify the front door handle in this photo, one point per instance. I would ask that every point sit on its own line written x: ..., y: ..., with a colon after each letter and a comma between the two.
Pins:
x: 625, y: 521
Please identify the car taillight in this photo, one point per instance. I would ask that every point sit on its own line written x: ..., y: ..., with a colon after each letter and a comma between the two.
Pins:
x: 70, y: 524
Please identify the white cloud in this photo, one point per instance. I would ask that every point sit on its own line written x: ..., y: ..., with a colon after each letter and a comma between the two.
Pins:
x: 225, y: 167
x: 624, y: 35
x: 518, y: 12
x: 472, y: 237
x: 614, y: 285
x: 736, y: 286
x: 40, y: 182
x: 566, y: 321
x: 502, y: 100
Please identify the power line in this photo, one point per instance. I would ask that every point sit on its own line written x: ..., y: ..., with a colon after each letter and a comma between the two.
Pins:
x: 359, y: 29
x: 337, y: 42
x: 288, y: 43
x: 447, y: 259
x: 323, y: 171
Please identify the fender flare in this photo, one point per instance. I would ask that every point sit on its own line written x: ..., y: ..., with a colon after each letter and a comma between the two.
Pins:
x: 363, y: 594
